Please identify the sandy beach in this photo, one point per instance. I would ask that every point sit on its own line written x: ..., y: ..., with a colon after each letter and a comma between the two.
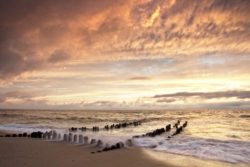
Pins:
x: 29, y: 152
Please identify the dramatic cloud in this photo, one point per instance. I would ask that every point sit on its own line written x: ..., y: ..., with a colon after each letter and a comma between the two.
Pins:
x: 32, y: 31
x: 115, y: 50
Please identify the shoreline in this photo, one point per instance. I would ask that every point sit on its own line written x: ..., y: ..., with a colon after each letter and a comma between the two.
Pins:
x: 24, y: 151
x: 29, y: 152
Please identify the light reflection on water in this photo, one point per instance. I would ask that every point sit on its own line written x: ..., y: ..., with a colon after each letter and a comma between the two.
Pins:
x: 224, y: 125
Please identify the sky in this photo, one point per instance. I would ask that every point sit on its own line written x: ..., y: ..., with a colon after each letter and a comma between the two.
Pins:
x: 117, y: 54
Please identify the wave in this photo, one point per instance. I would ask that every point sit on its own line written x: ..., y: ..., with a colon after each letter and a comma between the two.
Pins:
x: 25, y: 128
x: 228, y: 151
x: 203, y: 124
x: 232, y: 151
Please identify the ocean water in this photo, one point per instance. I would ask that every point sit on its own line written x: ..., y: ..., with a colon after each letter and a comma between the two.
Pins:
x: 222, y: 135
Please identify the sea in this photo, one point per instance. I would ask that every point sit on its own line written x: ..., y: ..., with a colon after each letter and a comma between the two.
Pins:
x: 221, y: 135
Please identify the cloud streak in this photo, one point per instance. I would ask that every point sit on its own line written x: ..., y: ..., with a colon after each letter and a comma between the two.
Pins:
x: 209, y: 95
x: 15, y: 94
x: 139, y: 78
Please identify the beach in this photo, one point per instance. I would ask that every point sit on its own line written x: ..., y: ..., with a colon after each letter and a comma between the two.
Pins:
x: 209, y: 138
x: 27, y: 152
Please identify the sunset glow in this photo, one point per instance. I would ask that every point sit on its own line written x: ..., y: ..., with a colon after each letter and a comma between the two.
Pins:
x: 146, y: 54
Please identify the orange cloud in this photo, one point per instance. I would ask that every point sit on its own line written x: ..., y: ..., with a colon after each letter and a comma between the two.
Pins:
x: 151, y: 20
x: 100, y: 44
